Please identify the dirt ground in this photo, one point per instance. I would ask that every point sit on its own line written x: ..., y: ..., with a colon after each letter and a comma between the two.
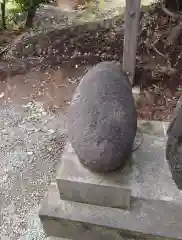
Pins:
x: 53, y: 88
x: 158, y: 71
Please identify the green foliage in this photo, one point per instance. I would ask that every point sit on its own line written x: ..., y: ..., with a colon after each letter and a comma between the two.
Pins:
x: 3, y: 13
x: 26, y: 5
x: 15, y: 18
x: 14, y: 13
x: 30, y: 7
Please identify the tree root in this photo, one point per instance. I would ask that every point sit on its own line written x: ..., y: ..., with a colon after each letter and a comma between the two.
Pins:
x: 174, y: 35
x: 156, y: 50
x: 175, y: 31
x: 171, y: 14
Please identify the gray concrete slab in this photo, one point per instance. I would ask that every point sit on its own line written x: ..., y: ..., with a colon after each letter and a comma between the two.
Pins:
x: 146, y: 175
x: 156, y: 128
x: 102, y: 195
x: 148, y: 219
x: 77, y: 183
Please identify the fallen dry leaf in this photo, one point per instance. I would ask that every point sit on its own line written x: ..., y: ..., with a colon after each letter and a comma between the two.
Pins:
x: 1, y: 94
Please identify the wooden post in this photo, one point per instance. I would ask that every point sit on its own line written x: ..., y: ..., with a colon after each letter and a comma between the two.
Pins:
x: 132, y: 15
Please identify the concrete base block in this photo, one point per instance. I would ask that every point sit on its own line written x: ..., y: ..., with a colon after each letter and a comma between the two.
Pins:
x: 146, y: 175
x: 77, y: 183
x: 155, y: 128
x: 148, y: 219
x: 140, y: 201
x: 102, y: 195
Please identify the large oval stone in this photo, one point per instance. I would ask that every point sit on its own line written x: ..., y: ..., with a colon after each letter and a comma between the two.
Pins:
x: 102, y: 119
x: 174, y: 145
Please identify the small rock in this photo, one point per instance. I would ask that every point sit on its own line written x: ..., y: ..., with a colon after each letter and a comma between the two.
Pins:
x: 29, y: 153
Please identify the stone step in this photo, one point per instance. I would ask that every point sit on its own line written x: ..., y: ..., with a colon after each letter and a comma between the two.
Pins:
x: 77, y: 183
x: 146, y: 175
x: 148, y: 219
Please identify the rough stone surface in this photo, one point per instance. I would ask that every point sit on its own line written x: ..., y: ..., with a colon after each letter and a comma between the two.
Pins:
x: 174, y: 146
x: 102, y: 118
x: 148, y: 219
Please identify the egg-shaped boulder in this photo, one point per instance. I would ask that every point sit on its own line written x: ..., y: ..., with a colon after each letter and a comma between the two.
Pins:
x: 102, y: 118
x: 174, y: 145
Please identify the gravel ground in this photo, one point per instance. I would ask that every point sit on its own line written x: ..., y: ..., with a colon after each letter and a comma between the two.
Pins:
x: 31, y: 142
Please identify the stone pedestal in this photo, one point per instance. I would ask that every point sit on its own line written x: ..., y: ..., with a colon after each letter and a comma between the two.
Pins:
x: 141, y: 201
x: 77, y: 183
